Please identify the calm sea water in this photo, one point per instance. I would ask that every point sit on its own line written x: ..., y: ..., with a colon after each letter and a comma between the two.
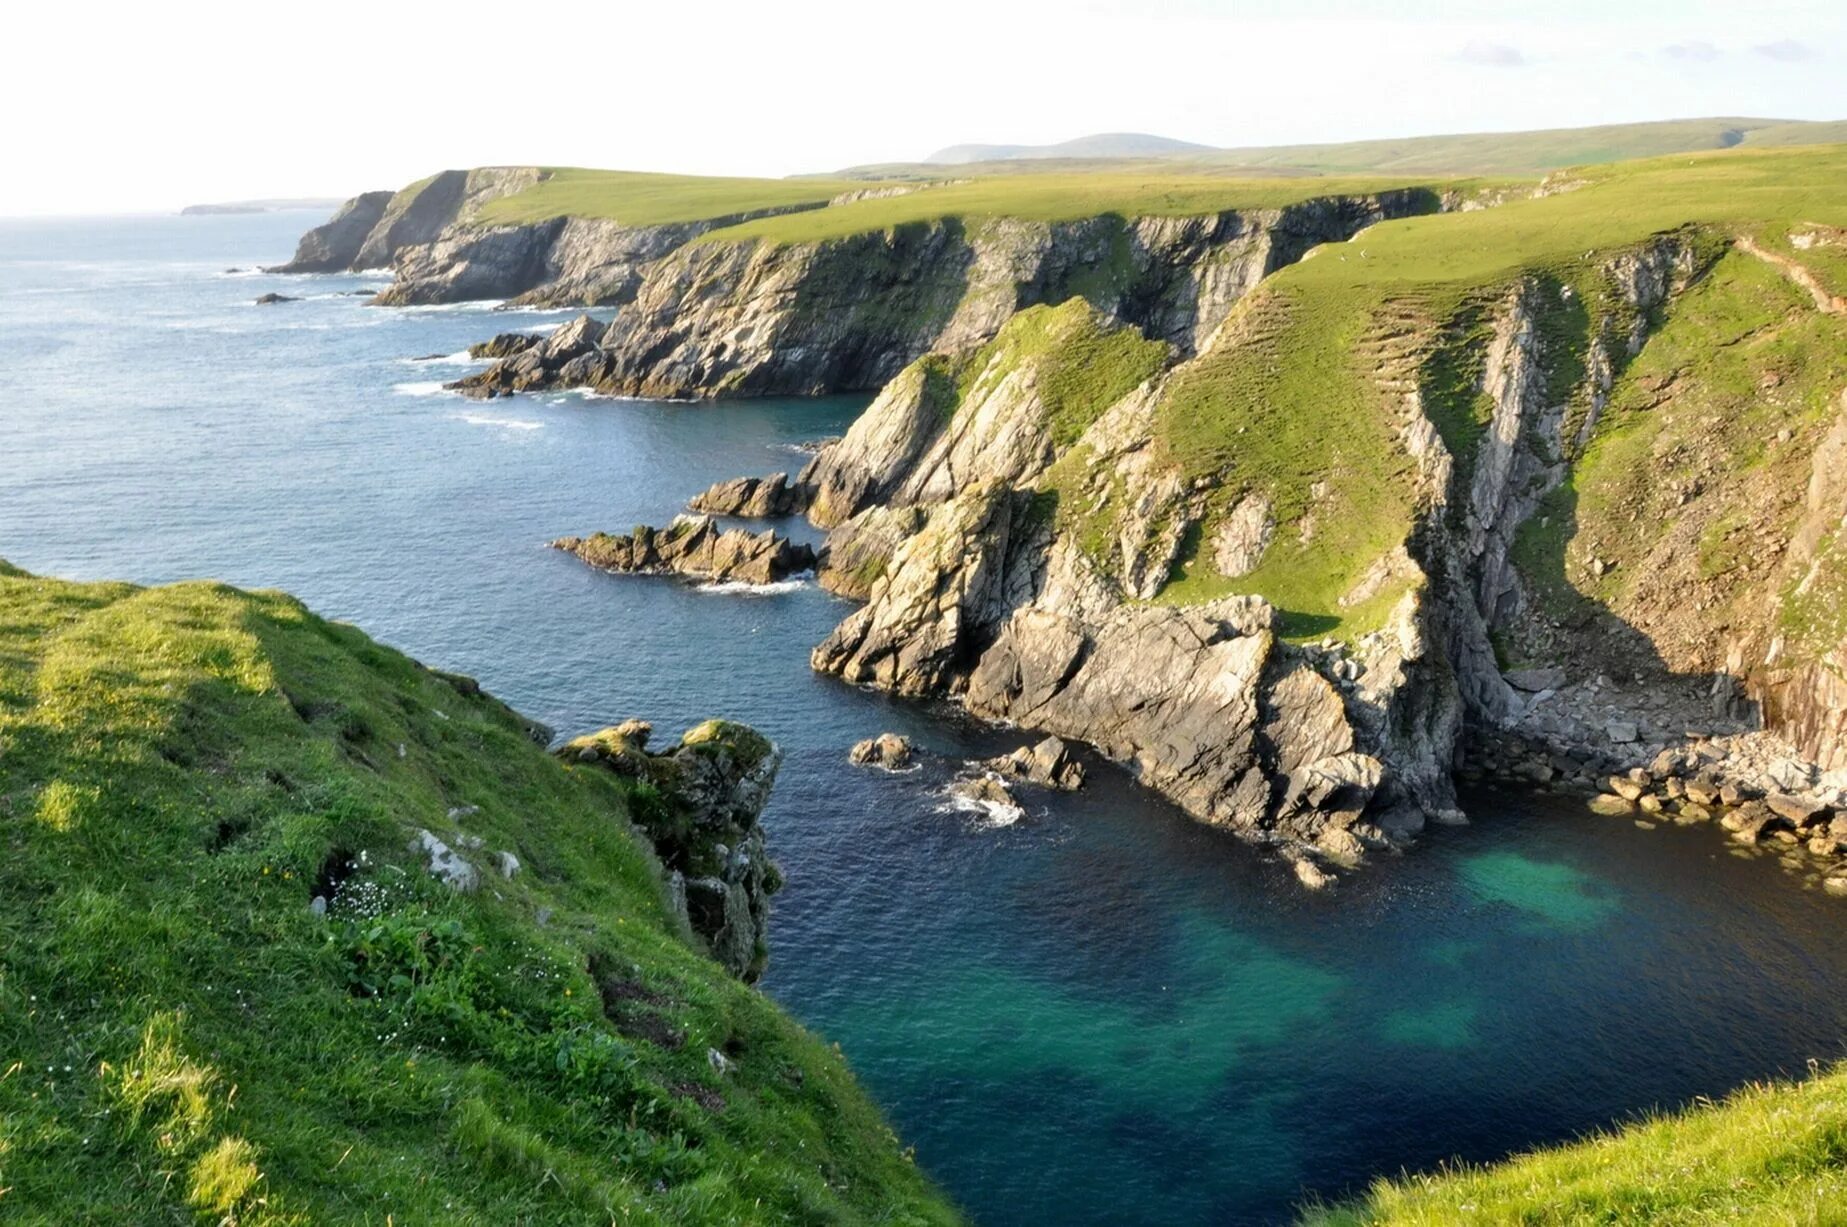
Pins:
x: 1101, y: 1014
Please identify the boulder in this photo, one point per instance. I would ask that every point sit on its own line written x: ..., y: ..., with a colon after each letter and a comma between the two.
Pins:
x: 888, y: 750
x: 1535, y: 680
x: 1049, y: 764
x: 1613, y: 805
x: 1800, y: 811
x: 1627, y: 788
x: 271, y: 299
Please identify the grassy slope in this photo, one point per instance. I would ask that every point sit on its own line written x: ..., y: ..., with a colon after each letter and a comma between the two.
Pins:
x: 1292, y: 400
x: 1768, y: 1155
x: 181, y: 1038
x: 1161, y: 192
x: 1743, y: 356
x: 1525, y: 153
x: 637, y: 198
x: 1490, y: 153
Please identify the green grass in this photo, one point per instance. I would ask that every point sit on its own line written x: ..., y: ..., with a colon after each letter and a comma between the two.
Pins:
x: 1053, y: 198
x: 182, y: 1039
x: 1523, y: 153
x: 1771, y: 1154
x: 1287, y: 401
x: 638, y: 198
x: 1082, y: 364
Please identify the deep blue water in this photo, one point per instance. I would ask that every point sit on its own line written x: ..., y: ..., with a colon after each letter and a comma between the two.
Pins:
x: 1102, y: 1014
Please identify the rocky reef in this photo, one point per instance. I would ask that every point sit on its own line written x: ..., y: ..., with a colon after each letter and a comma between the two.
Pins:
x: 698, y: 803
x: 694, y: 546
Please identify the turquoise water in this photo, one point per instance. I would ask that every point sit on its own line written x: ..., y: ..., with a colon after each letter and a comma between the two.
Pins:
x: 1101, y: 1014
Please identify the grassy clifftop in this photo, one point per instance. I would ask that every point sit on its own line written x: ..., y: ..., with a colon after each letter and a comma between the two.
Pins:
x: 1301, y: 398
x: 182, y: 1035
x: 1774, y: 1154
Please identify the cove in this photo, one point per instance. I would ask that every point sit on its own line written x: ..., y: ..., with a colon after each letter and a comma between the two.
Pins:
x: 1103, y: 1013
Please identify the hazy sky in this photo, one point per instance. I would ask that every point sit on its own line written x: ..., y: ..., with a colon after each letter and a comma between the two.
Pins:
x: 116, y: 107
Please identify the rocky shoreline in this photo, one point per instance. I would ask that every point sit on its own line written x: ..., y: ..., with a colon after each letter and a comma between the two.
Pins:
x: 1011, y: 512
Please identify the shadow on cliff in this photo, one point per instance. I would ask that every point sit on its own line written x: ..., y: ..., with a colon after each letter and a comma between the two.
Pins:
x: 1591, y: 639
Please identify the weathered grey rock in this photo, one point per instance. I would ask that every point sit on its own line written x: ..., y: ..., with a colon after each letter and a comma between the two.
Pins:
x: 334, y: 246
x: 271, y: 299
x: 751, y: 498
x: 446, y: 863
x: 1048, y: 763
x: 712, y: 788
x: 858, y: 552
x: 1243, y: 535
x: 1534, y: 680
x: 694, y: 546
x: 713, y: 318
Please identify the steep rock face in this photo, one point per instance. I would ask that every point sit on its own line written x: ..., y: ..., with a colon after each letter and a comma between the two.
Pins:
x: 1017, y: 610
x: 420, y: 213
x: 694, y: 546
x: 755, y: 318
x: 712, y: 788
x: 370, y: 231
x: 334, y: 247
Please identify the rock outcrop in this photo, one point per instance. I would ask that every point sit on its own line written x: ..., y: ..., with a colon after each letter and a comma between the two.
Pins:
x: 706, y: 319
x: 888, y: 750
x: 701, y: 815
x: 695, y: 547
x: 370, y: 231
x: 334, y: 246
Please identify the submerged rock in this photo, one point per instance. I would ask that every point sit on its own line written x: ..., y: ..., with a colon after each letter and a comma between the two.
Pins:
x: 708, y: 793
x: 272, y: 298
x: 695, y: 547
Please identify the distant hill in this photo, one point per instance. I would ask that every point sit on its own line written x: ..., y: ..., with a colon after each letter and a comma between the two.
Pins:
x: 285, y: 205
x: 1475, y: 153
x: 1101, y: 145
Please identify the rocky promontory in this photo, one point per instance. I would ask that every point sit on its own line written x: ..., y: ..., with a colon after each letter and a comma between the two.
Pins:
x: 701, y: 815
x: 696, y: 547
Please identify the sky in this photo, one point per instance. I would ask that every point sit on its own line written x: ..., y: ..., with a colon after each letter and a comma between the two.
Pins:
x: 116, y: 107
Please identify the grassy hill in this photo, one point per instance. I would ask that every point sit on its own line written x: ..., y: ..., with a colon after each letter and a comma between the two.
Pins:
x: 1474, y: 153
x: 639, y: 198
x: 1774, y: 1154
x: 1300, y: 400
x: 1102, y: 145
x: 1532, y: 153
x: 183, y: 1038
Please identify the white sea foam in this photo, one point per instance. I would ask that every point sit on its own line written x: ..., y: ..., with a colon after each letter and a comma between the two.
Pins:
x: 431, y: 308
x: 459, y: 358
x: 427, y: 387
x: 484, y: 419
x: 990, y: 814
x: 738, y: 587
